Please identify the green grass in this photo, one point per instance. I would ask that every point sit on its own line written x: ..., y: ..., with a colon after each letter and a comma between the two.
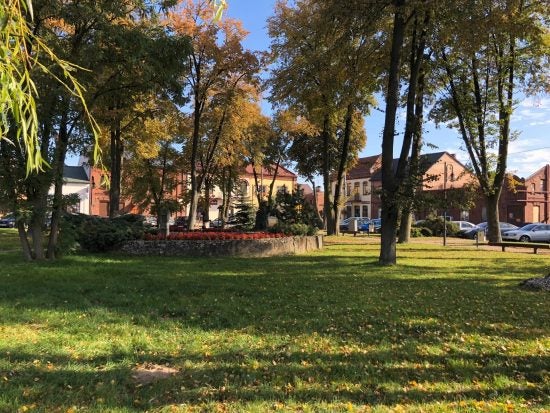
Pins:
x: 445, y: 330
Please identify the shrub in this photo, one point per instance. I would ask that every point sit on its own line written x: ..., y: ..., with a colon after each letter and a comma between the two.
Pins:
x: 435, y: 226
x: 416, y: 232
x: 95, y: 234
x: 294, y: 229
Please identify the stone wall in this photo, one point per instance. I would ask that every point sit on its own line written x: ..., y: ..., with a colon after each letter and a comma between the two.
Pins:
x: 223, y: 248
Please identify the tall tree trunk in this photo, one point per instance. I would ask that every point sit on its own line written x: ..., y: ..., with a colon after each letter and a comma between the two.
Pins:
x: 493, y: 227
x: 207, y: 189
x: 60, y: 154
x: 405, y: 226
x: 329, y: 218
x: 315, y: 197
x: 25, y: 246
x: 341, y: 168
x: 390, y: 210
x: 117, y: 150
x: 195, y: 187
x: 37, y: 224
x: 415, y: 174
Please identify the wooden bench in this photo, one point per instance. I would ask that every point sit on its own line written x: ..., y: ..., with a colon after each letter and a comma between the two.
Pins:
x: 532, y: 245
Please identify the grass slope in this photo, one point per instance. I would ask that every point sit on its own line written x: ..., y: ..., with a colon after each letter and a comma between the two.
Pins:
x: 445, y: 330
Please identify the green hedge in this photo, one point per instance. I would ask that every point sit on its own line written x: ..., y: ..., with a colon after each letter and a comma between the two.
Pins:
x: 96, y: 234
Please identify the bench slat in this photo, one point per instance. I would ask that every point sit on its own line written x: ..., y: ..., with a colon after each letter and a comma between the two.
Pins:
x: 534, y: 246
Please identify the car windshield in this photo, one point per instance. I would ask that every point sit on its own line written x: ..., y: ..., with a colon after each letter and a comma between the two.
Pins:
x: 505, y: 225
x: 528, y: 227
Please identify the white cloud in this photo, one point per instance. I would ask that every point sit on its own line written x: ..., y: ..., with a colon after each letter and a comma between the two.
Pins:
x: 535, y: 102
x: 544, y: 122
x: 526, y: 163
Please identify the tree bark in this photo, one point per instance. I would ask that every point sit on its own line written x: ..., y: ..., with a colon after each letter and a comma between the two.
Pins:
x: 390, y: 210
x: 341, y: 168
x: 207, y: 189
x: 414, y: 180
x: 493, y: 227
x: 329, y: 218
x: 25, y: 246
x: 195, y: 187
x: 60, y: 154
x: 117, y: 149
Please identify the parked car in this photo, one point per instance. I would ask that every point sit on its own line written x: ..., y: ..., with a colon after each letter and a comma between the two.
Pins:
x: 218, y: 223
x: 464, y: 226
x: 377, y: 222
x: 362, y: 223
x: 528, y: 233
x: 179, y: 225
x: 7, y: 222
x: 472, y: 234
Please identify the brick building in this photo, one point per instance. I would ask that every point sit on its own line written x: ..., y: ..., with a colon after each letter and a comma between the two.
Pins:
x: 526, y: 199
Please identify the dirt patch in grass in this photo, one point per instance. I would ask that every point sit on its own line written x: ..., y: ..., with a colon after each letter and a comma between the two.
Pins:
x: 151, y: 373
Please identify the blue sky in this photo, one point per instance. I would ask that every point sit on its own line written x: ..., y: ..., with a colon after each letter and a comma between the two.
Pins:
x: 531, y: 117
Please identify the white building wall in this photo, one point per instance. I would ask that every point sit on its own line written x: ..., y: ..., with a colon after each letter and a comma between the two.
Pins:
x: 82, y: 190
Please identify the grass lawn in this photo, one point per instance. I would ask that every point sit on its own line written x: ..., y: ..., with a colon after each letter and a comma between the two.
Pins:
x: 446, y: 330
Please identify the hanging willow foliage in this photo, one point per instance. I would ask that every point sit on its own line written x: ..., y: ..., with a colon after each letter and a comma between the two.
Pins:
x: 21, y: 52
x: 219, y: 7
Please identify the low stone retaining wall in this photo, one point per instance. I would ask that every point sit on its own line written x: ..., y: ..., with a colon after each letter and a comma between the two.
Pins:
x: 223, y: 248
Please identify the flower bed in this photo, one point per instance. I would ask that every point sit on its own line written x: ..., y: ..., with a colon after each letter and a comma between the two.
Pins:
x: 212, y: 235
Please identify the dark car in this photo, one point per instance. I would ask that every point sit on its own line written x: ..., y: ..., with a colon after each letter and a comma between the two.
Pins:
x: 179, y: 225
x: 472, y: 234
x: 7, y: 222
x: 219, y: 223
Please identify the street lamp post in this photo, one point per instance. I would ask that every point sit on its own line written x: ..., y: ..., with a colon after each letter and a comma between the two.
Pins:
x: 445, y: 173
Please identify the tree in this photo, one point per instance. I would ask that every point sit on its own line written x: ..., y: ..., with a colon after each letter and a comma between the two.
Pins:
x: 324, y: 72
x: 153, y: 164
x: 140, y: 60
x: 393, y: 176
x: 21, y: 50
x: 217, y: 61
x: 488, y: 50
x: 73, y: 30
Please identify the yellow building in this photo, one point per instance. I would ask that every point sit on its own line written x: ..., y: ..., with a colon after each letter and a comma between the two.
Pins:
x: 259, y: 180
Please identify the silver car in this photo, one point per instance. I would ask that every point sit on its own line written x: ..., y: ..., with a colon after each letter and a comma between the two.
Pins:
x: 530, y: 232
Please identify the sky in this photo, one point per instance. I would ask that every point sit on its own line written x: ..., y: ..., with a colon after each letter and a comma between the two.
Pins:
x: 531, y: 117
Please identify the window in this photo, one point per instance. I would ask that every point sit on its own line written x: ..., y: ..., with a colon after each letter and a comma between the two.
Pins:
x: 356, y: 188
x: 365, y: 187
x: 533, y: 188
x: 348, y: 190
x: 365, y: 211
x: 543, y: 185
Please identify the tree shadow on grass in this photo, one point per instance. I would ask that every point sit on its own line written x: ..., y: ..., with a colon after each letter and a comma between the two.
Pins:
x: 275, y: 296
x: 348, y: 311
x: 276, y: 374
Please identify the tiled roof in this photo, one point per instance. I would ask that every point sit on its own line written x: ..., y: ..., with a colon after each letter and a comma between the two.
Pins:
x: 282, y: 172
x: 363, y: 167
x: 75, y: 174
x: 426, y: 161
